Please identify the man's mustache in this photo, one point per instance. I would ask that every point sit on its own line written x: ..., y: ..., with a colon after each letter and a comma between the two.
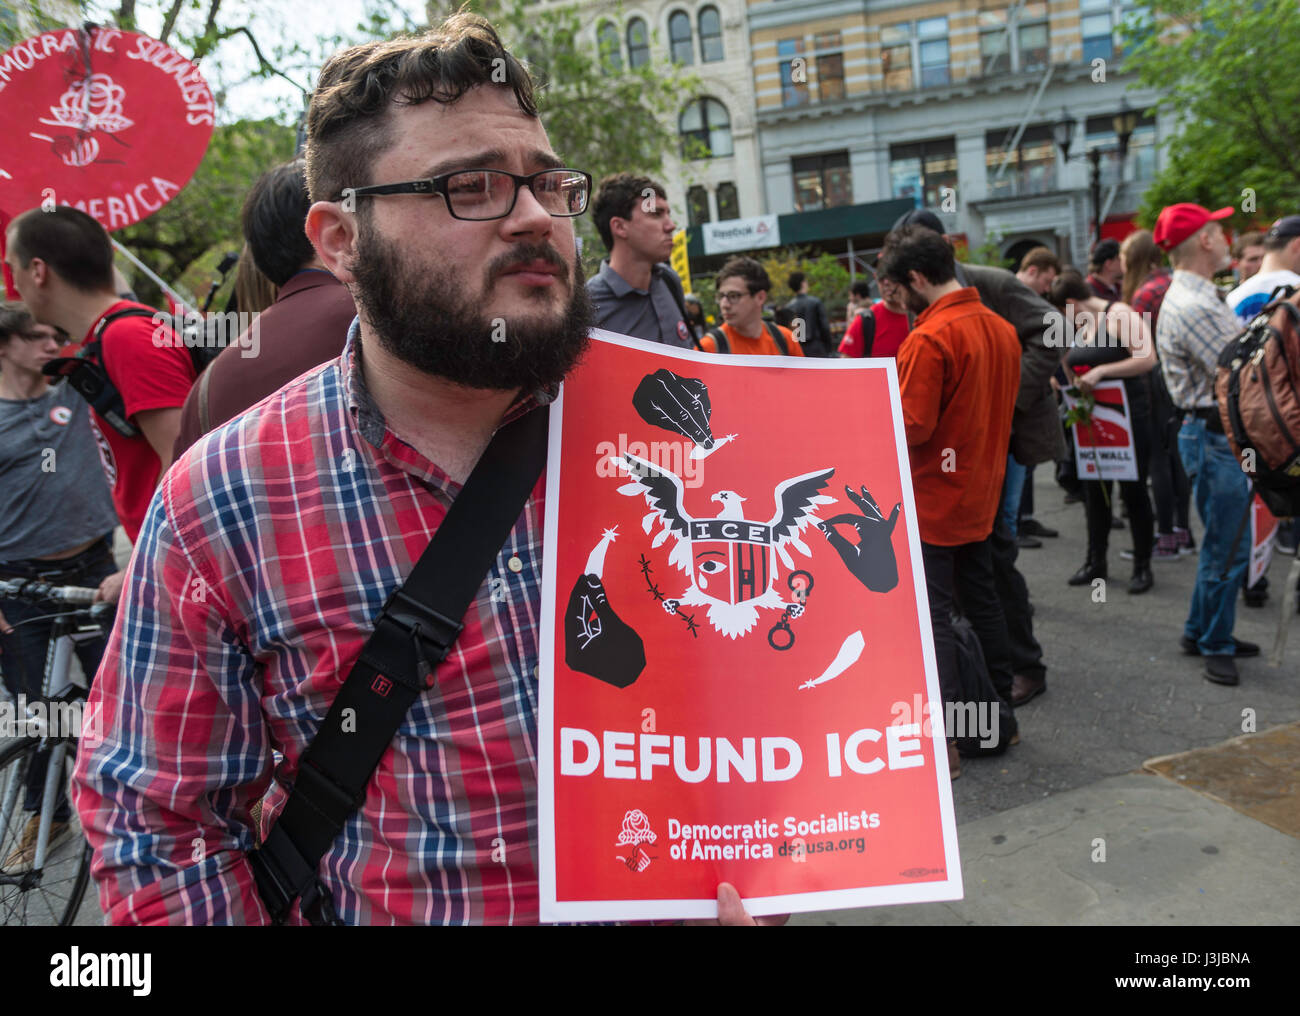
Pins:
x: 526, y: 253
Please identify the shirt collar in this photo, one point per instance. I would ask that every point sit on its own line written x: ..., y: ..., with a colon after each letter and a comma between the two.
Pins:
x: 372, y: 426
x: 619, y: 285
x: 307, y: 278
x: 1197, y: 283
x: 964, y: 295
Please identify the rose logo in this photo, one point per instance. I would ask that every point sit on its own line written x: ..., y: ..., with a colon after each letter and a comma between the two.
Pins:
x: 89, y: 104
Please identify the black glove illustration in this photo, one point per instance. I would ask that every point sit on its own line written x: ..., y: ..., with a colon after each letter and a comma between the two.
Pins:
x: 872, y: 559
x: 596, y: 641
x: 680, y: 404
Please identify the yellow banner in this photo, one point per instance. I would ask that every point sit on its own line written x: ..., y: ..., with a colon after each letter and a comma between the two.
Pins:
x: 679, y: 261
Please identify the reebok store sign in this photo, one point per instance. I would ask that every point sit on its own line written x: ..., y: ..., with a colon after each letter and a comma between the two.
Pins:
x: 741, y: 234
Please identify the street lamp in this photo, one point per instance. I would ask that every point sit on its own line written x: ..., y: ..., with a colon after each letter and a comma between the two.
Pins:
x: 1124, y: 123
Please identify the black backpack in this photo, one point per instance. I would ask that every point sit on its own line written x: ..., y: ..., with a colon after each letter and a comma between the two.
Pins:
x: 202, y: 351
x: 88, y: 375
x: 976, y: 687
x: 868, y: 330
x: 723, y: 346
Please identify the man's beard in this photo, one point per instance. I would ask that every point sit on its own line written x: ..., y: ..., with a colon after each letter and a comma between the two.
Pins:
x: 432, y: 319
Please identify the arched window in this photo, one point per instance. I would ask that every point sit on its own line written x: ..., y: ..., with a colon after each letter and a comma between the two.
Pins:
x: 710, y: 35
x: 728, y: 203
x: 610, y: 48
x: 679, y: 38
x: 638, y: 44
x: 706, y: 130
x: 697, y: 206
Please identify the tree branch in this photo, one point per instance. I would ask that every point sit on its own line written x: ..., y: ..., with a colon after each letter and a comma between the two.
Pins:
x: 169, y: 22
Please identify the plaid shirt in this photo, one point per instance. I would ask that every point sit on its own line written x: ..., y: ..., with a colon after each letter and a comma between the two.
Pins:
x: 1151, y: 294
x: 265, y: 555
x: 1194, y: 327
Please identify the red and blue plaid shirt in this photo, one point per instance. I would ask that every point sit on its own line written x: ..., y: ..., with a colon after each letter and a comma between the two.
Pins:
x: 1151, y: 294
x: 267, y: 551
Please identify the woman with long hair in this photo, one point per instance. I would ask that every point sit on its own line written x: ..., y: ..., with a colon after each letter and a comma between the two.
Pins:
x: 1145, y: 281
x: 1112, y: 343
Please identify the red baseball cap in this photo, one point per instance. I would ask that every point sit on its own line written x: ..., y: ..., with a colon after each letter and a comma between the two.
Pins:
x: 1177, y: 222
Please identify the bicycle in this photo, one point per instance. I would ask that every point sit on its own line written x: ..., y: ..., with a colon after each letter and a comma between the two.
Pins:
x: 49, y: 889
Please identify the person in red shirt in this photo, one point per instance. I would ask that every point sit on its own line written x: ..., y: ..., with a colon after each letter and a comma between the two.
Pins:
x: 958, y: 377
x: 890, y: 321
x: 62, y: 265
x: 742, y: 288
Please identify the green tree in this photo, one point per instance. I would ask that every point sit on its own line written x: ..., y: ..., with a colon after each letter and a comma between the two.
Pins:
x: 600, y: 118
x: 185, y: 238
x: 1226, y: 71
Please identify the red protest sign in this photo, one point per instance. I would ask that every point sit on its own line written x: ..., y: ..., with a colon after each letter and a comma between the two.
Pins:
x: 111, y: 122
x: 1104, y: 448
x: 736, y: 649
x: 1263, y: 533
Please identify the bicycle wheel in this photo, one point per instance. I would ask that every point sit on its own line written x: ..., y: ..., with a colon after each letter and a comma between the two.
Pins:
x: 52, y: 894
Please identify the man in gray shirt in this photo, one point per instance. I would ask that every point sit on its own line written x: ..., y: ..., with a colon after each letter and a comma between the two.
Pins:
x: 56, y: 525
x: 635, y: 292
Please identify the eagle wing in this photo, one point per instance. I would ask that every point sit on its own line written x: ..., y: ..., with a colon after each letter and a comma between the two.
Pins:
x: 796, y: 506
x: 662, y: 489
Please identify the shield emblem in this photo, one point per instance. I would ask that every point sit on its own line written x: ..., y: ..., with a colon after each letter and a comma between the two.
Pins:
x: 732, y: 566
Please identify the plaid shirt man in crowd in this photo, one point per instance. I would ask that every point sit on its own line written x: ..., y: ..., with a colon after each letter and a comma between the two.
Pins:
x: 273, y: 543
x: 1192, y: 330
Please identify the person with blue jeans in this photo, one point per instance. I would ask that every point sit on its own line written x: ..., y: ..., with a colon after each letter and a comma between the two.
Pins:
x: 1223, y: 495
x: 1193, y: 328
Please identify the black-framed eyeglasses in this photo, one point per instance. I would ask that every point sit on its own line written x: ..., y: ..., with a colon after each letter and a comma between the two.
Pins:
x: 480, y: 194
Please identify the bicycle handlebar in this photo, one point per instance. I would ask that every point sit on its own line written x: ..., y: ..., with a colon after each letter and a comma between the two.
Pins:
x: 32, y: 589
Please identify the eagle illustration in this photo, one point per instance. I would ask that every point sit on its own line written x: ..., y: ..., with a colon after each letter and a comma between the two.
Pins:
x: 731, y: 560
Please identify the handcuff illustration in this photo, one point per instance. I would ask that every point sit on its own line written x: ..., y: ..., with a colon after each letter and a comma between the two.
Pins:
x: 781, y: 635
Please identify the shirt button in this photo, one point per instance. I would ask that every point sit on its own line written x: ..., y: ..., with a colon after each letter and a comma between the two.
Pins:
x: 515, y: 565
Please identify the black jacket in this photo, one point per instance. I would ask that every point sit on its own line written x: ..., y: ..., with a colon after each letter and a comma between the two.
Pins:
x: 817, y: 334
x: 1036, y: 434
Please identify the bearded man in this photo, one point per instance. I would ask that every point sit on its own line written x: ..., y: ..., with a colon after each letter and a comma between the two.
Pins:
x: 275, y: 541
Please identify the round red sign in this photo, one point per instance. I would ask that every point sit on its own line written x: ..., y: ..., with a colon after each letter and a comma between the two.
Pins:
x: 110, y: 122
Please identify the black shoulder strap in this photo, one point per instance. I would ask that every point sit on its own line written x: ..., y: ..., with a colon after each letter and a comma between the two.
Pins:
x: 413, y: 634
x: 778, y: 338
x: 868, y: 320
x: 674, y: 285
x: 205, y: 416
x: 720, y: 340
x: 95, y: 346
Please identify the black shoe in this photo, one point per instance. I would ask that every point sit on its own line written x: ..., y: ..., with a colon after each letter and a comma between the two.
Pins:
x: 1221, y: 670
x: 1086, y: 574
x: 1142, y: 579
x: 1027, y: 542
x: 1240, y: 647
x: 1116, y: 523
x: 1256, y: 595
x: 1032, y: 527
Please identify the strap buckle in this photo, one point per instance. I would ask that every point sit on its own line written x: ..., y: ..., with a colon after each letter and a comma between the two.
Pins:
x: 423, y: 623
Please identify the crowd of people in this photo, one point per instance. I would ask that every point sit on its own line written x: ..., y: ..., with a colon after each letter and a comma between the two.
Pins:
x: 268, y: 539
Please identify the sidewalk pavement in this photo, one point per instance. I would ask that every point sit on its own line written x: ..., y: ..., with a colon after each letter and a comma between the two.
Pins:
x: 1172, y: 857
